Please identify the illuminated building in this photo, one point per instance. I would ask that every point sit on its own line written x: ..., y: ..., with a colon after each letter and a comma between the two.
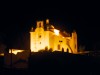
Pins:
x: 51, y: 38
x: 15, y: 51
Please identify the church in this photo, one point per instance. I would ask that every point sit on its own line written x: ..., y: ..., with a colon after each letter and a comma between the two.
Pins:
x: 46, y: 36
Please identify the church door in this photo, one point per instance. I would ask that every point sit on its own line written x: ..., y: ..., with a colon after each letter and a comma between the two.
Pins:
x: 58, y: 46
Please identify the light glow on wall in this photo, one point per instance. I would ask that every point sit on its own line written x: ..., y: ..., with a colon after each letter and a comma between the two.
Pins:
x: 51, y: 39
x: 56, y: 31
x: 15, y: 51
x: 1, y: 54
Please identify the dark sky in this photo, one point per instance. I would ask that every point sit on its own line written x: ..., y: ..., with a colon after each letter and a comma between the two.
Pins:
x: 18, y: 17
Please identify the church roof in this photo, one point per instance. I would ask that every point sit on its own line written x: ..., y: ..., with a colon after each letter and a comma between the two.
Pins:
x: 65, y: 34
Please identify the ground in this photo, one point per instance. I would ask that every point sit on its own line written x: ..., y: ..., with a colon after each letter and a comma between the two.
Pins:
x: 58, y: 63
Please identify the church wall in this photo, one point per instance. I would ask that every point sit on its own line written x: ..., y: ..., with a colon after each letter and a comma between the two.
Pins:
x: 58, y: 42
x: 61, y: 41
x: 63, y: 44
x: 74, y: 38
x: 70, y: 44
x: 73, y: 42
x: 46, y: 39
x: 32, y: 40
x: 41, y: 39
x: 51, y: 40
x: 56, y: 38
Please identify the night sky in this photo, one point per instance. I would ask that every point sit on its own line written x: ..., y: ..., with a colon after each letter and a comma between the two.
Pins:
x: 18, y: 17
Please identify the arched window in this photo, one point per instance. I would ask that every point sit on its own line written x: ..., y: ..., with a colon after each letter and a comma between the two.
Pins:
x: 39, y: 24
x: 39, y: 36
x: 58, y: 46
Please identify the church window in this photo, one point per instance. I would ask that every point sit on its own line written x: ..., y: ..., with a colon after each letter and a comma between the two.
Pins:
x: 58, y: 46
x: 39, y: 24
x: 60, y: 41
x: 39, y: 36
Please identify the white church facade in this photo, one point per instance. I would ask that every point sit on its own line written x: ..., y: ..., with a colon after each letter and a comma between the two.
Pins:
x: 51, y: 38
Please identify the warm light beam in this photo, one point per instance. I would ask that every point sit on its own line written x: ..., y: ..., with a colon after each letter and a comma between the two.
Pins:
x: 15, y: 51
x: 56, y: 31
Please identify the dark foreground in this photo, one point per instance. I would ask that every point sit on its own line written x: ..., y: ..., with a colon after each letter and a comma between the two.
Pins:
x: 57, y: 63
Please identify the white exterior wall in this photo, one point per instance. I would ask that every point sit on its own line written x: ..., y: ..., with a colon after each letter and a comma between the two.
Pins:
x: 51, y: 40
